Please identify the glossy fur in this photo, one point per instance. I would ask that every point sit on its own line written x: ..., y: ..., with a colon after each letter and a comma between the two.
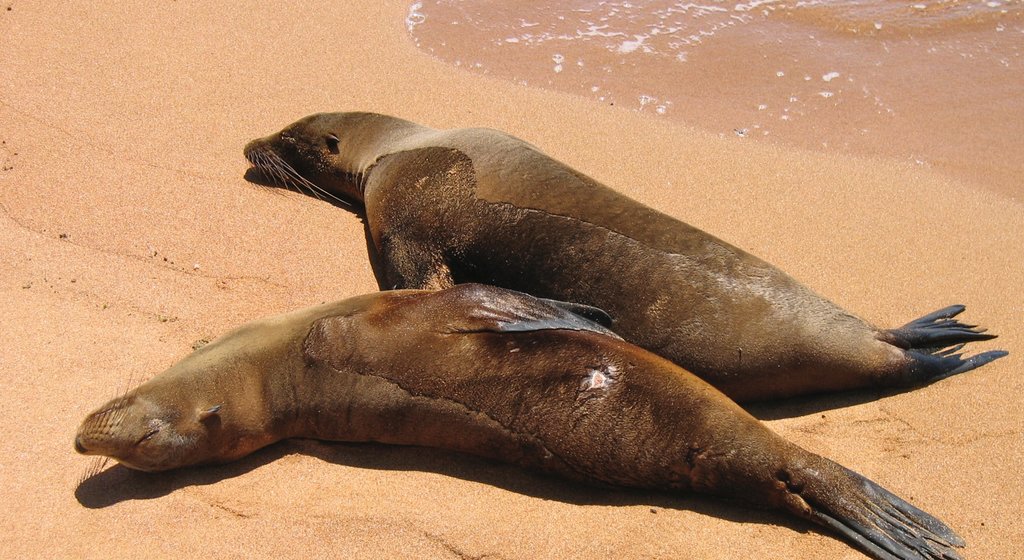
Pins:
x: 499, y: 374
x: 477, y: 205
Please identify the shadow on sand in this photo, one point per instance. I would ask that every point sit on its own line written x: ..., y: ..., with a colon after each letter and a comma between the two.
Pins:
x: 120, y: 484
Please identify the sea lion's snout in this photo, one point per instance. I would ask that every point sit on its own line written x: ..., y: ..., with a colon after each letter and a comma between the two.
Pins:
x: 248, y: 151
x: 78, y: 445
x: 253, y: 149
x: 126, y: 430
x: 151, y: 433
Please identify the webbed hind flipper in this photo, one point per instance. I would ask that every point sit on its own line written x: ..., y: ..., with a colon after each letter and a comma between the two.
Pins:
x: 877, y: 521
x: 935, y: 330
x: 932, y: 366
x: 932, y: 346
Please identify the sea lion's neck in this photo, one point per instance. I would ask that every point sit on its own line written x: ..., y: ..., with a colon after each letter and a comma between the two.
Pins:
x: 364, y: 147
x: 252, y: 373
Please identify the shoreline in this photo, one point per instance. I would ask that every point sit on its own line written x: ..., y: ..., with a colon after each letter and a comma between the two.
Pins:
x: 821, y: 76
x: 128, y: 129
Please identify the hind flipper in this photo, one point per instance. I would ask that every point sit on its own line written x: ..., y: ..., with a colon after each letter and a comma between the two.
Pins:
x: 877, y: 521
x: 935, y: 330
x: 927, y: 367
x: 886, y: 526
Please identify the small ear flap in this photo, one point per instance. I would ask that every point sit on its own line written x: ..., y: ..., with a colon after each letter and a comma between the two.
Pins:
x: 210, y: 413
x: 332, y: 143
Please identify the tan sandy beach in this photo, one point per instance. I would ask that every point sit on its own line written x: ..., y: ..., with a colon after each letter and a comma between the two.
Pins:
x: 129, y: 234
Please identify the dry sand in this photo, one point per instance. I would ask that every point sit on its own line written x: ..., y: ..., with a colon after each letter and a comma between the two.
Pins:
x: 129, y: 233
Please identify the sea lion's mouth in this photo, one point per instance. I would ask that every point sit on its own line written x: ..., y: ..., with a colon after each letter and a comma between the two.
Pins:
x: 79, y: 447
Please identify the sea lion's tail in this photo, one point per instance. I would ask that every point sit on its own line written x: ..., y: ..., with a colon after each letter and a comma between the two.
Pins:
x: 933, y: 343
x: 877, y: 521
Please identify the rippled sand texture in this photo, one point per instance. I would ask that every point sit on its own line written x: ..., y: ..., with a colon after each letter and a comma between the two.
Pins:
x: 938, y: 83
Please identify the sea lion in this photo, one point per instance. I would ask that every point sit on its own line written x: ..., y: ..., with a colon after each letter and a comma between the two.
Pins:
x: 503, y: 375
x: 477, y: 205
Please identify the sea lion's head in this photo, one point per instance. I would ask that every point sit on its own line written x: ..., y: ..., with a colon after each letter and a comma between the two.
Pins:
x: 221, y: 402
x: 326, y: 155
x: 143, y: 431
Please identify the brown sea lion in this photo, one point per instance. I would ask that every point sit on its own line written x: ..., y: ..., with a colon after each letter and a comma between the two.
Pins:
x: 503, y: 375
x: 477, y: 205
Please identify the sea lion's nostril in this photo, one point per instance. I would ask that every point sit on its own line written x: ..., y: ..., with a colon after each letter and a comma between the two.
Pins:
x: 78, y: 445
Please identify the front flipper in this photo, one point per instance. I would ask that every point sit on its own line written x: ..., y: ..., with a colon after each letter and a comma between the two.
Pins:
x: 595, y: 314
x: 483, y: 308
x: 419, y: 213
x: 410, y: 266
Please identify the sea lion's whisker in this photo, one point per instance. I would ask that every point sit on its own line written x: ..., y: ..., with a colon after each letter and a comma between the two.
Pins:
x: 286, y: 176
x: 297, y: 177
x: 282, y: 173
x: 334, y: 198
x: 313, y: 192
x: 267, y: 165
x: 262, y: 162
x: 95, y: 467
x: 276, y: 165
x: 120, y: 408
x: 301, y: 181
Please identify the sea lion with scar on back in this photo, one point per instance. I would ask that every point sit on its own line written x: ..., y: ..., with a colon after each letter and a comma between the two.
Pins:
x: 477, y: 205
x: 499, y: 374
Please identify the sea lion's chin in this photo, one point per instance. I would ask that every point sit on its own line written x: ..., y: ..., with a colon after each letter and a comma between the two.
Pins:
x: 161, y: 459
x: 142, y: 467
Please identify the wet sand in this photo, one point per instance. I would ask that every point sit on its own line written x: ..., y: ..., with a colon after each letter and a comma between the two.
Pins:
x: 129, y: 234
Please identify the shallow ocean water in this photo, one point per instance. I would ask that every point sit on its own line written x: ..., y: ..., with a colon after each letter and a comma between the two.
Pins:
x: 936, y: 83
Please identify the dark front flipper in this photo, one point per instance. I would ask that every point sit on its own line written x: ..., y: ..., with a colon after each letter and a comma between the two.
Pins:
x: 595, y: 314
x: 875, y: 520
x: 416, y: 216
x: 408, y: 265
x: 935, y: 330
x: 483, y: 308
